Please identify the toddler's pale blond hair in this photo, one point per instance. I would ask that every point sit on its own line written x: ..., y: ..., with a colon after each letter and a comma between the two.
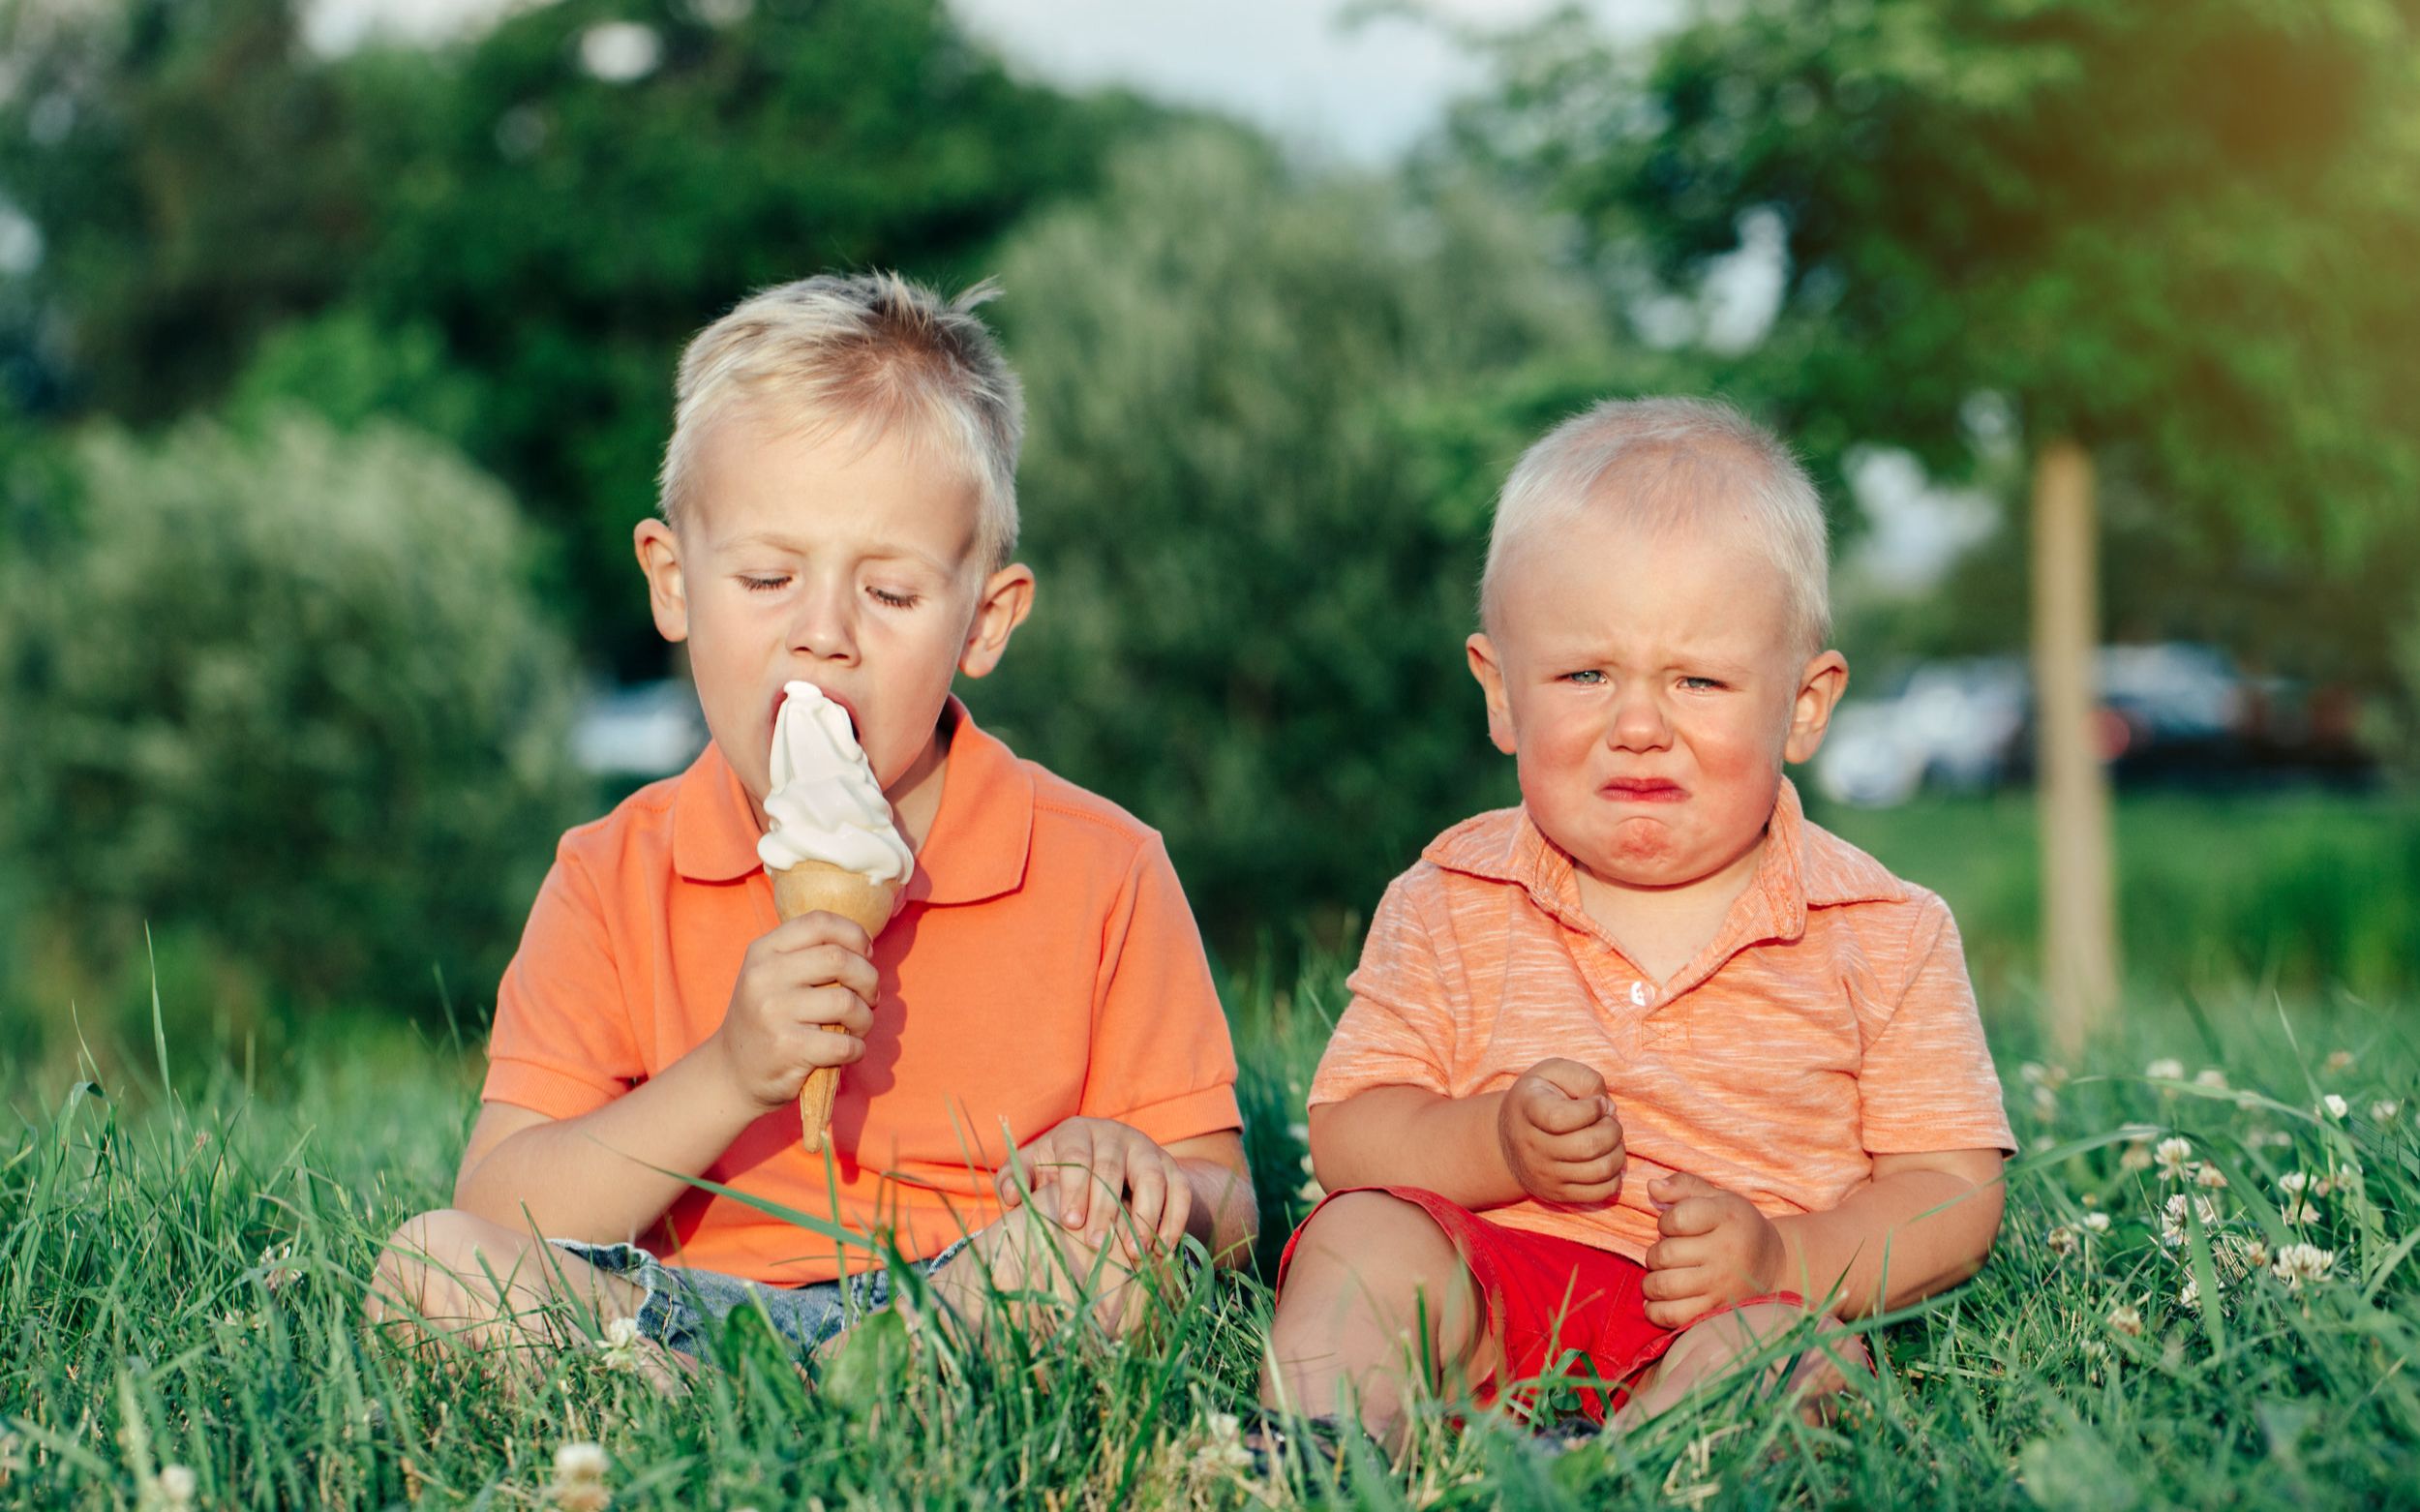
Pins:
x: 871, y: 351
x: 1671, y: 463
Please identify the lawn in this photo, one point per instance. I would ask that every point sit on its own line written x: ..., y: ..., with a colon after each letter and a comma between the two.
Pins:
x: 183, y: 1245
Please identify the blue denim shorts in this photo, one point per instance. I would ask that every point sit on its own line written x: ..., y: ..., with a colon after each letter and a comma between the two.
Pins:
x: 685, y: 1307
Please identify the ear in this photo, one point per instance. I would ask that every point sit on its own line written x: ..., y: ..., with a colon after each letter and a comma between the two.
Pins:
x: 1008, y: 598
x: 658, y: 546
x: 1485, y: 666
x: 1820, y: 686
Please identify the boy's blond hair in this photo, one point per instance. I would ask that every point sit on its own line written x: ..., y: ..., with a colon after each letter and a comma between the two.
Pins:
x: 868, y: 350
x: 1662, y: 462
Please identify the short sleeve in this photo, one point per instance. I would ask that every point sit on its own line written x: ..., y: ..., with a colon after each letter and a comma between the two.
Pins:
x: 563, y: 1043
x: 1161, y: 1061
x: 1397, y: 1029
x: 1928, y: 1082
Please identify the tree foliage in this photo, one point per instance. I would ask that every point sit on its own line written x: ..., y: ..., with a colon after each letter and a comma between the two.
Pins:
x: 2177, y: 231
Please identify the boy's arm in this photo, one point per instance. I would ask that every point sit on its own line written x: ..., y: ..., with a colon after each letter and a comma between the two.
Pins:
x: 801, y: 1001
x: 595, y: 1177
x: 1923, y: 1222
x: 1226, y: 1215
x: 1553, y: 1136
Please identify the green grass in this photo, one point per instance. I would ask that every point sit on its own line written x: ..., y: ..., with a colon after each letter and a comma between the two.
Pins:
x: 181, y: 1278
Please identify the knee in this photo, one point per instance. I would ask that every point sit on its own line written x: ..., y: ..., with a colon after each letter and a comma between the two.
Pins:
x: 1383, y: 1239
x: 430, y: 1254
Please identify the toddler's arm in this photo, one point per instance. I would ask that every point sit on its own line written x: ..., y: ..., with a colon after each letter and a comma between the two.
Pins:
x: 801, y: 1001
x: 1923, y: 1223
x: 1551, y: 1135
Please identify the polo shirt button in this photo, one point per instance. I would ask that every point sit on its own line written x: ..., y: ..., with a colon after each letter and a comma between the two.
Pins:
x: 1637, y: 994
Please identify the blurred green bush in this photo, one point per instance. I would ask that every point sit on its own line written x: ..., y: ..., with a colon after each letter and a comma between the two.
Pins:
x: 285, y: 694
x: 1268, y: 413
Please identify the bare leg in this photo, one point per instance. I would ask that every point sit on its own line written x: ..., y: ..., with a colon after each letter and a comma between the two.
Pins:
x: 1706, y: 1353
x: 450, y: 1278
x: 1371, y: 1275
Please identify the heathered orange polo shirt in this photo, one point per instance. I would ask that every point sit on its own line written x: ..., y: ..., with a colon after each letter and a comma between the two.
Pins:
x: 1044, y: 965
x: 1830, y: 1021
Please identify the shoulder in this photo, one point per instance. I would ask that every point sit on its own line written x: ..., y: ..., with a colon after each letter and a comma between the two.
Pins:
x: 1071, y: 819
x: 635, y: 834
x: 1838, y: 875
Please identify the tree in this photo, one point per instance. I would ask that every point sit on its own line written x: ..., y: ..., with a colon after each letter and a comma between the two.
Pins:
x: 2170, y: 240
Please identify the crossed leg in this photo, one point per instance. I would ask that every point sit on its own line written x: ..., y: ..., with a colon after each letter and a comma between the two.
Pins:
x: 450, y: 1278
x: 1709, y: 1351
x: 1375, y: 1290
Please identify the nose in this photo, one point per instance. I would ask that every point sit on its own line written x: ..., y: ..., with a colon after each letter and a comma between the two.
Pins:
x: 1638, y: 722
x: 824, y: 626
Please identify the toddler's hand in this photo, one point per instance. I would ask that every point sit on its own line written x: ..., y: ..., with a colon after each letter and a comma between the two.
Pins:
x: 805, y: 999
x: 1561, y: 1136
x: 1716, y: 1248
x: 1085, y: 1169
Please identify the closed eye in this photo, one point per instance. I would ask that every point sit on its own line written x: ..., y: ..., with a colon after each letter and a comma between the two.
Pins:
x: 763, y: 585
x: 890, y: 600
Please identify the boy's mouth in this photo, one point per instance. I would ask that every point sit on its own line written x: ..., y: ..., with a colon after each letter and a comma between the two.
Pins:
x: 1644, y: 790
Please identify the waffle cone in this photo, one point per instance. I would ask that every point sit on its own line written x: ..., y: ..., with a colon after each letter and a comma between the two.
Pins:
x: 816, y: 887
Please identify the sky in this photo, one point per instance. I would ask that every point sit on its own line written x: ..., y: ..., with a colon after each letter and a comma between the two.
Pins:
x: 1303, y: 70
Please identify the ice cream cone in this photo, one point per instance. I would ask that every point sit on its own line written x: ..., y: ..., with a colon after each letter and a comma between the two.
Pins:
x: 817, y: 887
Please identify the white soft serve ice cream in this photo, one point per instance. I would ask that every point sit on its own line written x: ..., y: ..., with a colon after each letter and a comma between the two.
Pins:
x: 825, y: 805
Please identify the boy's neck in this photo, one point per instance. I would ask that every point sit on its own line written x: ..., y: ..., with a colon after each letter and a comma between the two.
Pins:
x: 1662, y: 930
x: 916, y: 797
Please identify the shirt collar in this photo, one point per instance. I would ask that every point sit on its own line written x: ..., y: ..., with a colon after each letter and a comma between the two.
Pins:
x: 1804, y: 866
x: 976, y: 848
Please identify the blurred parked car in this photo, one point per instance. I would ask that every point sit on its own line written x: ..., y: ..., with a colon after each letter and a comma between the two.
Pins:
x: 643, y: 730
x: 2169, y: 713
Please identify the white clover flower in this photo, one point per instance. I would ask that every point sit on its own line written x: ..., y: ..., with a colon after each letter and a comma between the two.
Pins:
x: 620, y: 1346
x: 2256, y: 1256
x: 2297, y: 1263
x: 2097, y: 1223
x: 177, y: 1485
x: 2172, y: 1155
x: 2127, y: 1319
x: 2212, y: 1077
x: 2334, y: 1106
x: 2062, y: 1240
x: 2324, y: 1187
x: 576, y: 1462
x: 2210, y: 1176
x: 2190, y: 1297
x: 2045, y: 1100
x: 1223, y: 1449
x: 2137, y: 1156
x: 2299, y: 1212
x: 2293, y: 1183
x: 2165, y: 1070
x: 2172, y: 1217
x: 2384, y: 1110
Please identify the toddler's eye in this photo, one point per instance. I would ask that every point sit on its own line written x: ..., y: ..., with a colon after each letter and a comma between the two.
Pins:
x: 892, y: 600
x: 1588, y: 678
x: 1699, y: 683
x: 762, y: 585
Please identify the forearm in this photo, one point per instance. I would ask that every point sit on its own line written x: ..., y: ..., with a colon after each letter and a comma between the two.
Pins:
x: 1896, y: 1240
x: 1226, y: 1215
x: 1406, y: 1136
x: 598, y: 1178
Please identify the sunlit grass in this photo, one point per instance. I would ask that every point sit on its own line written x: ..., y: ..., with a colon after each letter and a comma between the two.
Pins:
x: 181, y: 1278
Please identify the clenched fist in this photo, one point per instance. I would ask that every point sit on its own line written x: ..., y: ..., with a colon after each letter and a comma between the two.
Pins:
x: 805, y: 999
x: 1561, y: 1136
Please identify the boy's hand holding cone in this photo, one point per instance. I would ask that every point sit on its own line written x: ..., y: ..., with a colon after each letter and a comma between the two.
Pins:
x: 829, y: 845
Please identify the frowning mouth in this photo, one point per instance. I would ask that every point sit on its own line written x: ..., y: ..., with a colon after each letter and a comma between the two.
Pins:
x: 1643, y: 790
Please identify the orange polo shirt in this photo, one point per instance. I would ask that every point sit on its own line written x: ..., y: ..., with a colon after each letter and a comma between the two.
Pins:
x: 1829, y: 1020
x: 1044, y: 965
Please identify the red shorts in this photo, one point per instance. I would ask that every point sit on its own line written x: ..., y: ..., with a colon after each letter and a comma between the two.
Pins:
x: 1556, y: 1307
